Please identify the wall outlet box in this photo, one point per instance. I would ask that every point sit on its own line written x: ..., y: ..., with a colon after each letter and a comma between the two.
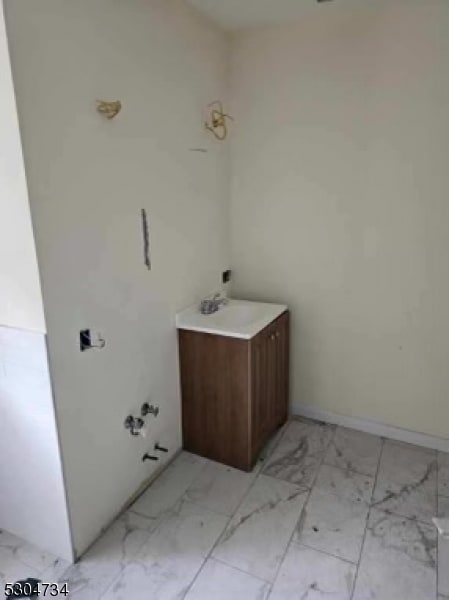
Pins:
x: 85, y: 340
x: 91, y: 339
x: 226, y: 276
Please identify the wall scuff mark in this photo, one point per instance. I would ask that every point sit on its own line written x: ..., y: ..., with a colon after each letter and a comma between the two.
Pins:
x: 146, y: 240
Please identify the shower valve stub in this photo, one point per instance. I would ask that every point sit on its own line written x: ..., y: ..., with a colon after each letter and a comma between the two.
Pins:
x: 149, y: 409
x: 135, y: 425
x: 147, y: 456
x: 159, y: 448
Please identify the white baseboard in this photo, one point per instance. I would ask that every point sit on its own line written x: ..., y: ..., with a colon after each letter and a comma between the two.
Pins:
x: 388, y: 431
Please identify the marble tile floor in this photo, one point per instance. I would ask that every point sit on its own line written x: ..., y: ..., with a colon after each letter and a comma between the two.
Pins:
x: 328, y: 512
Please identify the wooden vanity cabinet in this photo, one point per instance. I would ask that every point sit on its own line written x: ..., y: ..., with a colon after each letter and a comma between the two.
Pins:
x: 234, y: 392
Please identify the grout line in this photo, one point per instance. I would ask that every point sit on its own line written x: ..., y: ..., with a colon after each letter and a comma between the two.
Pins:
x: 124, y: 563
x: 206, y: 558
x: 223, y: 562
x: 302, y: 513
x: 209, y: 554
x: 349, y: 562
x: 367, y: 519
x: 399, y: 515
x: 158, y: 521
x: 290, y: 541
x: 110, y: 582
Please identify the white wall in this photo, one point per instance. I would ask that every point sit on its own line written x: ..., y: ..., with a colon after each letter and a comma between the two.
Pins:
x: 340, y: 188
x: 88, y: 180
x: 32, y: 496
x: 20, y: 294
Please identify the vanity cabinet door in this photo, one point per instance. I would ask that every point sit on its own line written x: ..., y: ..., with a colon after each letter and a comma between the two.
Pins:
x: 278, y: 371
x: 269, y: 385
x: 215, y: 381
x: 260, y: 380
x: 282, y: 342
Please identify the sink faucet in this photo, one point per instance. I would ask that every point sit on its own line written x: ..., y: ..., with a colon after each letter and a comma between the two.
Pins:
x: 209, y: 306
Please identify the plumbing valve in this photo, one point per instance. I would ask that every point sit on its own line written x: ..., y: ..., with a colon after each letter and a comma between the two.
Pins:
x: 149, y: 409
x: 134, y: 424
x: 160, y: 448
x: 149, y: 457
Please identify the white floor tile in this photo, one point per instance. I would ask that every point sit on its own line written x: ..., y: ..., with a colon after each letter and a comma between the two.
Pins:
x: 168, y: 488
x: 345, y: 484
x: 334, y: 525
x: 407, y: 481
x: 398, y: 560
x: 187, y: 529
x: 161, y: 549
x: 218, y: 581
x: 308, y: 574
x: 20, y: 560
x: 354, y: 450
x: 443, y: 566
x: 258, y: 534
x: 119, y: 545
x: 300, y: 452
x: 167, y: 564
x: 443, y: 474
x: 220, y: 488
x: 55, y: 571
x: 23, y: 552
x: 443, y: 507
x: 12, y: 570
x: 271, y: 445
x: 167, y: 580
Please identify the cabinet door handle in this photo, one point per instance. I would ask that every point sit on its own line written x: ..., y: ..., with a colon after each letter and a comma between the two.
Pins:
x: 273, y: 336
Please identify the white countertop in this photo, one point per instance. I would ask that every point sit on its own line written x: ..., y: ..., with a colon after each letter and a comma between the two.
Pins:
x: 238, y: 318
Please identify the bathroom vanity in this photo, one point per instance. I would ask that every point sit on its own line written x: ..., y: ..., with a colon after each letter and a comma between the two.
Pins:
x: 234, y: 379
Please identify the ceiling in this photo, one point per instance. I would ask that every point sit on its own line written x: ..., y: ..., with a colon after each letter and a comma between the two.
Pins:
x: 237, y: 14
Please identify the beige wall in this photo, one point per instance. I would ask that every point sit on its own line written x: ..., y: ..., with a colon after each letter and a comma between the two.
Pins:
x: 20, y: 294
x: 340, y: 204
x: 89, y: 179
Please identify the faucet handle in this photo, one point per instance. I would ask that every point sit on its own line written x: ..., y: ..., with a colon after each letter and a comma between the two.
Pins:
x: 212, y: 303
x: 207, y: 307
